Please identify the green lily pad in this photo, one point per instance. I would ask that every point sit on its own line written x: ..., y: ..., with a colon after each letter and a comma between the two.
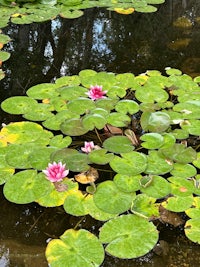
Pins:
x: 73, y: 127
x: 25, y: 187
x: 95, y: 212
x: 191, y: 126
x: 73, y: 92
x: 106, y: 103
x: 157, y: 163
x: 155, y: 121
x: 126, y: 233
x: 181, y: 187
x: 172, y: 71
x: 92, y: 121
x: 118, y: 119
x: 192, y: 230
x: 169, y: 140
x: 194, y: 211
x: 131, y: 163
x: 75, y: 204
x: 189, y: 109
x: 81, y: 105
x: 4, y: 55
x: 158, y: 188
x: 150, y: 93
x: 177, y: 203
x: 55, y: 198
x: 127, y: 183
x: 73, y: 14
x: 40, y: 112
x: 43, y: 91
x: 75, y: 161
x: 18, y: 104
x: 110, y: 199
x: 60, y: 142
x: 100, y: 156
x: 183, y: 170
x: 145, y: 206
x: 152, y: 140
x: 4, y: 39
x: 40, y: 157
x: 75, y: 248
x: 179, y: 153
x: 118, y: 144
x: 73, y: 80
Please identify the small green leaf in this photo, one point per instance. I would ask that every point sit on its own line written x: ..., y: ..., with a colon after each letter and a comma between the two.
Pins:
x: 152, y: 140
x: 177, y: 203
x: 126, y: 233
x: 75, y: 248
x: 100, y: 156
x: 118, y: 144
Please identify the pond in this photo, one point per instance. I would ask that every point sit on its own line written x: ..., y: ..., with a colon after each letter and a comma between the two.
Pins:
x: 103, y: 41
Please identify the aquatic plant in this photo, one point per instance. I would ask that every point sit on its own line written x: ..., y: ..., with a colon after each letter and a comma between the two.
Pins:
x: 145, y: 133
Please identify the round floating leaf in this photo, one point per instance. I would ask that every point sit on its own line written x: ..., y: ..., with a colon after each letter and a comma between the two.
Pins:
x: 126, y: 233
x: 43, y: 91
x: 81, y: 105
x: 155, y: 121
x: 106, y: 103
x: 4, y: 55
x: 100, y: 156
x: 75, y: 204
x: 191, y: 126
x: 73, y: 80
x: 145, y: 206
x: 25, y: 187
x: 150, y: 93
x: 110, y: 199
x: 131, y: 163
x: 169, y: 140
x: 118, y: 144
x: 196, y: 162
x: 181, y: 187
x: 40, y: 112
x: 17, y: 155
x: 71, y: 14
x: 180, y: 153
x: 75, y: 248
x: 117, y: 119
x: 152, y: 140
x: 183, y: 170
x: 4, y: 39
x: 127, y: 106
x: 192, y: 230
x: 60, y: 141
x: 25, y: 132
x: 18, y: 104
x: 56, y: 198
x: 194, y: 211
x: 95, y: 212
x: 189, y: 109
x: 73, y: 92
x: 127, y: 183
x: 73, y: 127
x: 146, y: 9
x: 178, y: 204
x: 40, y: 157
x: 172, y: 71
x: 75, y: 161
x: 158, y: 188
x: 157, y: 163
x: 92, y: 121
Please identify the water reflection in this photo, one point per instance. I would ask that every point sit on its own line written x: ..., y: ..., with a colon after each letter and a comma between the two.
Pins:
x: 100, y: 40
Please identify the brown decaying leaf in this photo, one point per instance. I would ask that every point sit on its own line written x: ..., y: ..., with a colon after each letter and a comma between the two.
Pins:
x: 87, y: 177
x: 170, y: 217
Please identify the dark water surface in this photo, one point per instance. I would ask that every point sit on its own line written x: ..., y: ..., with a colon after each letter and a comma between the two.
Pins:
x: 100, y: 40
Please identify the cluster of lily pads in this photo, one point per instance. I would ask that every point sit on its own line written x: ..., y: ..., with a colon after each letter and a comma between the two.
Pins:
x: 28, y: 11
x: 143, y: 130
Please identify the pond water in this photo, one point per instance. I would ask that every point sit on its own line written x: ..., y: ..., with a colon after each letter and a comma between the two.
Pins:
x: 100, y: 40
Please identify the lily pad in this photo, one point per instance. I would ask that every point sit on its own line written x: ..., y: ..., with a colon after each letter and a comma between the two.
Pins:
x: 75, y: 248
x: 92, y: 121
x: 118, y: 144
x: 158, y: 188
x: 100, y: 156
x: 117, y: 119
x: 183, y: 170
x: 111, y: 200
x: 192, y: 230
x: 152, y: 140
x: 131, y: 163
x: 127, y: 233
x: 73, y: 127
x: 181, y: 187
x: 177, y: 203
x: 155, y: 121
x: 18, y: 104
x: 25, y: 187
x: 127, y: 183
x: 43, y: 91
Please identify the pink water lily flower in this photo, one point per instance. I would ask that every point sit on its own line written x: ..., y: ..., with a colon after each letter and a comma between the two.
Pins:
x: 55, y: 172
x: 96, y: 92
x: 88, y: 147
